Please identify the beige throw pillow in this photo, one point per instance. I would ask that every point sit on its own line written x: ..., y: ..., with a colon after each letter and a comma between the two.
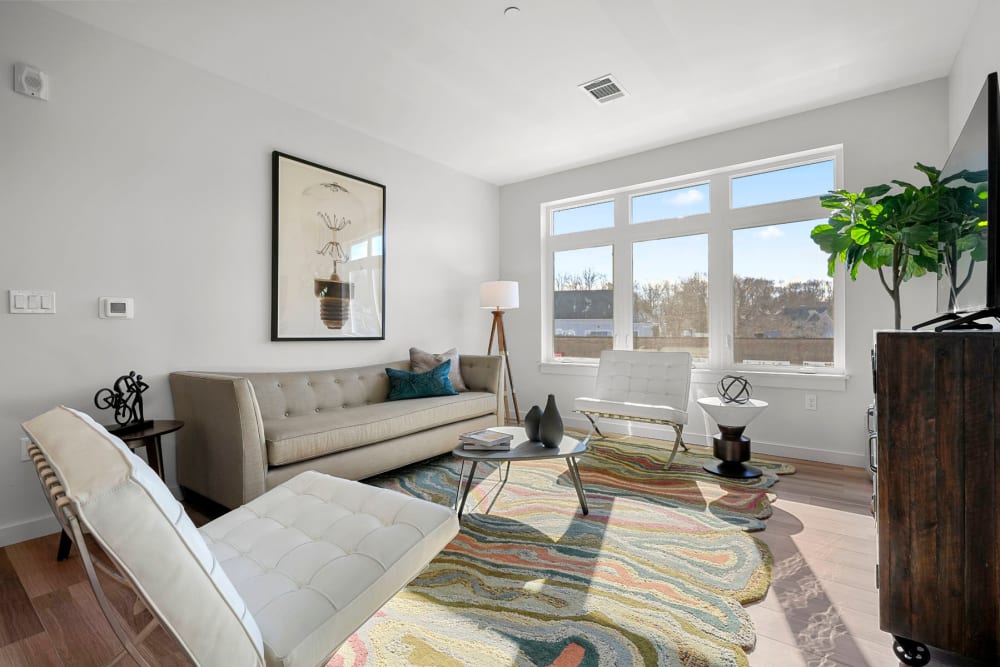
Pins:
x: 421, y: 362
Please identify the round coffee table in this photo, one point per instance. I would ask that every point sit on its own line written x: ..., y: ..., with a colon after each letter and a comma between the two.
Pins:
x: 522, y: 449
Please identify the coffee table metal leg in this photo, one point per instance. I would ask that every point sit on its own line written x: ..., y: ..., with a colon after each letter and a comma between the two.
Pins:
x: 468, y: 485
x: 458, y: 488
x: 503, y: 482
x: 574, y: 472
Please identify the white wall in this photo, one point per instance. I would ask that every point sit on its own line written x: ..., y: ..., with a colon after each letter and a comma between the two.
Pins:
x: 883, y: 136
x: 978, y: 56
x: 148, y: 178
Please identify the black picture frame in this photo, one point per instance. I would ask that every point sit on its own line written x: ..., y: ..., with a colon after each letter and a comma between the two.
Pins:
x: 328, y: 253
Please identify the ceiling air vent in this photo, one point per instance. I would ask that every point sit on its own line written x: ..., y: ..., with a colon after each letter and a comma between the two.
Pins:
x: 603, y: 89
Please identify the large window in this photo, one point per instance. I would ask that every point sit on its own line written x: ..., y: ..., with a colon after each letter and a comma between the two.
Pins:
x: 717, y: 264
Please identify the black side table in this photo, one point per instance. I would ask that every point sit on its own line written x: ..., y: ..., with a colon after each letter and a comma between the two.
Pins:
x: 149, y: 438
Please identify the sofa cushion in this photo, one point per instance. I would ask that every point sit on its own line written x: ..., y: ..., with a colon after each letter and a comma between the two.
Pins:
x: 291, y: 439
x: 315, y: 556
x: 404, y: 385
x: 421, y: 362
x: 141, y: 526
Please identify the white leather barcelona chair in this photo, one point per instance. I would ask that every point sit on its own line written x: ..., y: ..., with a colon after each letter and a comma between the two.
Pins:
x: 650, y: 387
x: 282, y: 580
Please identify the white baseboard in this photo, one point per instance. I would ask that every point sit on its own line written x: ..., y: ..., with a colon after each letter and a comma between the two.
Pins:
x: 28, y: 530
x: 848, y: 459
x: 854, y: 460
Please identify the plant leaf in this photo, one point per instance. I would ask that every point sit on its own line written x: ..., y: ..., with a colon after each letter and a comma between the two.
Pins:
x: 875, y: 191
x: 861, y: 235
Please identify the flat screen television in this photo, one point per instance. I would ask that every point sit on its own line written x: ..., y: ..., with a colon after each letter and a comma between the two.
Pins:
x: 969, y: 249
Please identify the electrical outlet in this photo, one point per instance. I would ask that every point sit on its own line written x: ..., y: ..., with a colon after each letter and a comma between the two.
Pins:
x: 810, y: 401
x: 24, y: 449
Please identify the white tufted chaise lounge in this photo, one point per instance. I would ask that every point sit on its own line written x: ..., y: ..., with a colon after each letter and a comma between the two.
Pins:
x: 282, y: 580
x: 634, y: 385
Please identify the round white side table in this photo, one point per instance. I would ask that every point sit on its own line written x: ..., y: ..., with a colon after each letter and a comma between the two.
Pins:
x: 730, y: 445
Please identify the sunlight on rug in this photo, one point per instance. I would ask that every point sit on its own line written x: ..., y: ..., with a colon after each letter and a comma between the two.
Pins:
x: 656, y: 574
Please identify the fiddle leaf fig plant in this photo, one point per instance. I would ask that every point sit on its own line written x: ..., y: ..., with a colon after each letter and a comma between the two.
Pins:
x: 894, y: 234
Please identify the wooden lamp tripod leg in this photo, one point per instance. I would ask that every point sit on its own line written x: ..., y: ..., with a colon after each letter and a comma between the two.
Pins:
x: 497, y: 332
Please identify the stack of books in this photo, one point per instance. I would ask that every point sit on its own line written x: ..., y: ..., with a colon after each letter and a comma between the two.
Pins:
x: 486, y: 440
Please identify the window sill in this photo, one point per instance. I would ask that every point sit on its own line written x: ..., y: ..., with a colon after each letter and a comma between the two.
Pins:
x: 821, y: 381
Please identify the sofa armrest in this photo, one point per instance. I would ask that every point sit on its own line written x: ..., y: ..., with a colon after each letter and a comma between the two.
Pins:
x: 484, y: 373
x: 220, y: 451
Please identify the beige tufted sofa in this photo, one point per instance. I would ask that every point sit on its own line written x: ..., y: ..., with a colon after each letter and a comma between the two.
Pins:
x: 246, y: 433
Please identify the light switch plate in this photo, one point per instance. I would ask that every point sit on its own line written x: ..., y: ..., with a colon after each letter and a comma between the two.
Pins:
x: 32, y: 302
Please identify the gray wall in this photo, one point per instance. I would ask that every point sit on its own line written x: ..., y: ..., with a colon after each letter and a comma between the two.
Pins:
x: 145, y: 177
x: 978, y: 56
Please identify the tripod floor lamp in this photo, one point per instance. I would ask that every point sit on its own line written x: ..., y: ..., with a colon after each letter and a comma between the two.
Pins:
x: 500, y: 295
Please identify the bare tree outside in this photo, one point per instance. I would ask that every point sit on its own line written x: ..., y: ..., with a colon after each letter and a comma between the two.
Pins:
x: 773, y: 321
x: 673, y: 308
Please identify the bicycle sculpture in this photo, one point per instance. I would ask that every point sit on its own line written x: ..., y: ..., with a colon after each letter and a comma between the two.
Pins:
x: 125, y: 398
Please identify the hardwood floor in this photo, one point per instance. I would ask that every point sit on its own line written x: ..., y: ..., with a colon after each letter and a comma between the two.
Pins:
x: 821, y: 611
x: 822, y: 608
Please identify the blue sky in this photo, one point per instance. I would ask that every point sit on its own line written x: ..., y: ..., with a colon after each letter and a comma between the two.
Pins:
x: 780, y: 252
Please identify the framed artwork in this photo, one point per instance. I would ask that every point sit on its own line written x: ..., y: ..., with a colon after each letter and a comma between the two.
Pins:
x: 328, y: 262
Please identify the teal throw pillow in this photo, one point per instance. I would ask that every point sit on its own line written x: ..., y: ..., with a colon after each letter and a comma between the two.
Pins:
x: 435, y: 382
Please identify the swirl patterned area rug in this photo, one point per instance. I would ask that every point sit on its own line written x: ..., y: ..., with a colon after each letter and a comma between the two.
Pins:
x: 655, y: 575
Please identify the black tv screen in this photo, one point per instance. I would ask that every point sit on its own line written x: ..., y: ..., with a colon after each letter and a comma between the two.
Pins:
x: 967, y: 252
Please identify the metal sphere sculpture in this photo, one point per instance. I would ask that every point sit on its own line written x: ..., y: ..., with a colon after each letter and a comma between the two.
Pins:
x: 734, y: 389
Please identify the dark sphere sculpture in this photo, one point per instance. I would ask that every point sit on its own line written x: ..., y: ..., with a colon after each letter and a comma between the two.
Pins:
x: 734, y: 389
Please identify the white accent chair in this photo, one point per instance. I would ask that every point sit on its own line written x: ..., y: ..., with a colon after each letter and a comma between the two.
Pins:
x: 637, y: 386
x: 282, y: 580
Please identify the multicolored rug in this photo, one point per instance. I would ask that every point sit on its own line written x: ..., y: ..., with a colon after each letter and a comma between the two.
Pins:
x: 655, y: 575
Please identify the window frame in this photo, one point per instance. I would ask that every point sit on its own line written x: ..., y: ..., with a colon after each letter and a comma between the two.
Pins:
x: 719, y: 224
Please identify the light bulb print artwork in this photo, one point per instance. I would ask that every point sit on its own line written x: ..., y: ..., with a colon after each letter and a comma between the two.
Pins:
x: 334, y: 207
x: 328, y: 264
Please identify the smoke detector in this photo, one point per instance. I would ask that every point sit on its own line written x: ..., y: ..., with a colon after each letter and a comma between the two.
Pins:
x: 603, y: 89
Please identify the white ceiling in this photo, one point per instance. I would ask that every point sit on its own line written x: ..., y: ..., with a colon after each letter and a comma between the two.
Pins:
x: 496, y: 97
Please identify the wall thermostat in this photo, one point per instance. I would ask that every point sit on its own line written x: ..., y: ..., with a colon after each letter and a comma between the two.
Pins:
x: 31, y: 81
x: 117, y: 307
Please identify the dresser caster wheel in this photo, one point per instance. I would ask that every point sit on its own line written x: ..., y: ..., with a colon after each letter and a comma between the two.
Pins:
x: 910, y: 652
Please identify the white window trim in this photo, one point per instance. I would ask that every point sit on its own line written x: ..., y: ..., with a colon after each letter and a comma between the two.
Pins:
x: 719, y: 224
x: 825, y: 379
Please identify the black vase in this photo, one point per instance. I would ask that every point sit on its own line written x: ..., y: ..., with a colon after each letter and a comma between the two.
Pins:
x: 550, y: 428
x: 531, y: 422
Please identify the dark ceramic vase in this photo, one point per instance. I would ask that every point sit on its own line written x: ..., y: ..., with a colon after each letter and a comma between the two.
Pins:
x: 531, y: 423
x: 550, y: 428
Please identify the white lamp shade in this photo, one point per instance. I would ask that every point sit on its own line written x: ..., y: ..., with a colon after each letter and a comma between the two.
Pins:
x: 498, y: 294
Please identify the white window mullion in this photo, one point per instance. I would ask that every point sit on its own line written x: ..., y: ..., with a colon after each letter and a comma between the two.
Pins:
x: 623, y: 276
x: 548, y: 297
x: 720, y: 278
x: 623, y: 295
